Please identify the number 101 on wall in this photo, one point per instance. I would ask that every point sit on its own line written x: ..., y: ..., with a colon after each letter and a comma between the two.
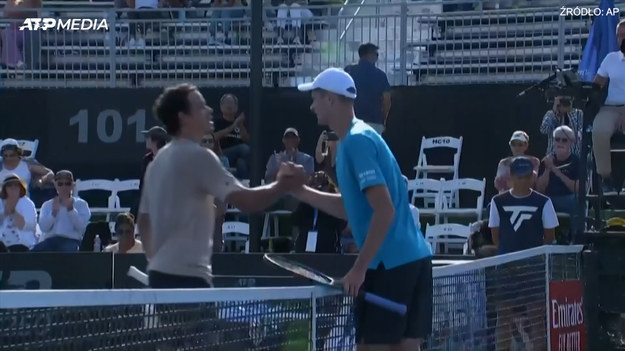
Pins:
x: 109, y: 125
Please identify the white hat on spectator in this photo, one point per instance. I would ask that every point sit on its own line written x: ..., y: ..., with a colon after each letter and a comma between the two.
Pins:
x: 9, y: 144
x: 291, y: 131
x: 334, y: 80
x: 520, y: 136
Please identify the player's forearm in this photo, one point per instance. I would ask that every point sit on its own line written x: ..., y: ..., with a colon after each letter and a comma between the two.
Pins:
x: 380, y: 223
x: 549, y: 236
x: 331, y: 204
x: 495, y: 235
x: 255, y: 199
x: 145, y: 233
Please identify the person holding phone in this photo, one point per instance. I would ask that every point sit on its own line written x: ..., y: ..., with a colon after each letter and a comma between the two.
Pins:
x: 563, y: 114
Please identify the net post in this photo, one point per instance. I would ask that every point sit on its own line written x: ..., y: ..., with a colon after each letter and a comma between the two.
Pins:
x: 547, y: 279
x: 313, y: 321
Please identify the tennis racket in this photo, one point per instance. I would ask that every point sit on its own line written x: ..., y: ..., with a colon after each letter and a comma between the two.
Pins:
x: 307, y: 272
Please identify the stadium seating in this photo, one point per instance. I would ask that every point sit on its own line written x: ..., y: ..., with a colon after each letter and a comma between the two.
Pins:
x: 435, y: 45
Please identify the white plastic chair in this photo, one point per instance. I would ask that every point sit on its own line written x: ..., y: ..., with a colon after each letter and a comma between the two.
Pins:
x: 236, y: 232
x: 122, y: 186
x: 104, y: 185
x: 428, y: 190
x: 29, y: 145
x: 425, y: 169
x: 449, y: 234
x: 455, y: 186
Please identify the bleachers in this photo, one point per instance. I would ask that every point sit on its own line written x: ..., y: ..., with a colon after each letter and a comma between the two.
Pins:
x: 523, y: 44
x: 176, y: 50
x: 420, y: 43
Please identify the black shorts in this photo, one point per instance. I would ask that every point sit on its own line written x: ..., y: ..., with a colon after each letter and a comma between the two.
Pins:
x: 410, y: 284
x: 160, y: 280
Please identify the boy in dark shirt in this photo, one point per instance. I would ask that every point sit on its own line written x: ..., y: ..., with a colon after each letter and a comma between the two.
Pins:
x: 520, y: 219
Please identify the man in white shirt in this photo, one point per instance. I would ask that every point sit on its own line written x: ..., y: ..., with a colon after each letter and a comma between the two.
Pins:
x: 611, y: 117
x: 176, y: 214
x: 63, y: 220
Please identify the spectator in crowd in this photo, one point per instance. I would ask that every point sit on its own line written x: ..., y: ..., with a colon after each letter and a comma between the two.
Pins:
x: 232, y: 135
x: 26, y: 169
x: 292, y: 16
x: 209, y: 142
x: 291, y: 153
x: 563, y: 114
x: 142, y: 20
x: 519, y: 142
x: 125, y: 232
x: 318, y: 231
x: 611, y: 116
x: 519, y: 219
x: 155, y: 138
x: 325, y: 153
x: 63, y: 220
x: 18, y: 216
x: 373, y: 102
x: 223, y: 13
x: 20, y: 48
x: 559, y: 174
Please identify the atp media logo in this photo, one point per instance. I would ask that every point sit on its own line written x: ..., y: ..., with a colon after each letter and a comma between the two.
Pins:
x: 71, y: 24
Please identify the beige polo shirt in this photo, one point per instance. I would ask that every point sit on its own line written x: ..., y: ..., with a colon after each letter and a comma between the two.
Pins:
x: 178, y: 194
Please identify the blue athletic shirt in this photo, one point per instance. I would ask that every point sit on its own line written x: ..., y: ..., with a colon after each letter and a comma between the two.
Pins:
x: 363, y: 160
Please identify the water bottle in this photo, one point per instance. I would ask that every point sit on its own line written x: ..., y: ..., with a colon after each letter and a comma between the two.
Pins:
x: 97, y: 244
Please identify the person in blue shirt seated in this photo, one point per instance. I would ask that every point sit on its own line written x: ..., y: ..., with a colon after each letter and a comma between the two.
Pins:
x: 291, y: 153
x: 394, y: 260
x: 558, y: 176
x: 373, y: 103
x: 63, y: 220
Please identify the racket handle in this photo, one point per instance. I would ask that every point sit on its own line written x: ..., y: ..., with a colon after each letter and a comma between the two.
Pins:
x: 385, y: 303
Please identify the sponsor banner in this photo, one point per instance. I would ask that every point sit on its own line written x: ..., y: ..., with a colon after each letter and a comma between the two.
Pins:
x: 566, y: 313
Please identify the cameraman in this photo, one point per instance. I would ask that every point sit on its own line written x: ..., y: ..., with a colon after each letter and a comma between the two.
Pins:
x: 563, y: 114
x: 611, y: 116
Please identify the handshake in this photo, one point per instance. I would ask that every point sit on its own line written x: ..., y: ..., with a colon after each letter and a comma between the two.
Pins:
x: 291, y: 177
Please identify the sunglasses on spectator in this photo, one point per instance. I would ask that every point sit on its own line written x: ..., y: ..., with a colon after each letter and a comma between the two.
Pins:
x: 561, y: 140
x: 517, y: 143
x: 125, y: 231
x: 63, y: 183
x: 9, y: 148
x: 208, y: 141
x: 9, y: 155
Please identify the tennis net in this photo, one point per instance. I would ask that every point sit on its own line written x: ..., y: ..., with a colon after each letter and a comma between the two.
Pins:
x: 470, y: 299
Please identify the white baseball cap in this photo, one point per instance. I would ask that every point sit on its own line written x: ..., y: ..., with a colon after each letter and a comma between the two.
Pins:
x: 520, y: 136
x: 334, y: 80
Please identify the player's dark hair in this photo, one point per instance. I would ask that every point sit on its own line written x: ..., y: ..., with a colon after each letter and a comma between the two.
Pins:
x: 170, y: 103
x: 366, y: 49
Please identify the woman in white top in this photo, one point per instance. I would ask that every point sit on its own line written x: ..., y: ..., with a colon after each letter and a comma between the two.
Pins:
x: 18, y: 216
x: 14, y: 163
x: 125, y: 232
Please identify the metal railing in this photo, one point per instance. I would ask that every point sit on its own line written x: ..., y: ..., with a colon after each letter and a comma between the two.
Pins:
x: 420, y: 43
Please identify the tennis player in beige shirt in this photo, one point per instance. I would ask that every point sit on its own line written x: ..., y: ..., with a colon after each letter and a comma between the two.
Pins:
x: 177, y: 213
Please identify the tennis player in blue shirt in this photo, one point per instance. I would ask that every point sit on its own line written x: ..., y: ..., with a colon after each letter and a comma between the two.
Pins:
x: 395, y: 261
